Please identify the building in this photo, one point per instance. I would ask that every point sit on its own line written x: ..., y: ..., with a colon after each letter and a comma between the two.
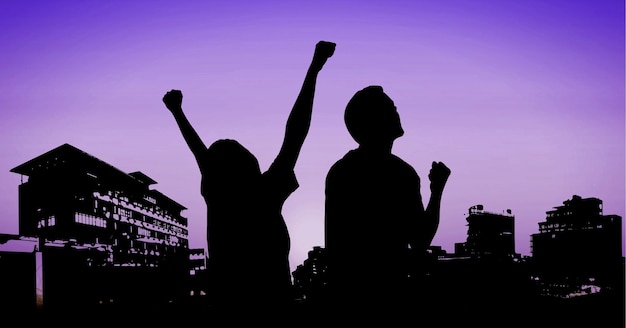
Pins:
x: 486, y: 264
x: 105, y: 236
x: 309, y: 278
x: 20, y: 279
x: 198, y: 274
x: 490, y: 236
x: 578, y: 249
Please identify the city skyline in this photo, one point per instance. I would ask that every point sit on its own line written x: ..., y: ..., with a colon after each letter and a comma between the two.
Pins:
x: 523, y: 101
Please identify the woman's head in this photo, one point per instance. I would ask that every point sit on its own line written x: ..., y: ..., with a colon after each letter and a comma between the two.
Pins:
x: 371, y: 117
x: 229, y: 166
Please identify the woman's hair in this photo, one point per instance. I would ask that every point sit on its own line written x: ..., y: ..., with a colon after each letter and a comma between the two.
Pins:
x: 228, y: 165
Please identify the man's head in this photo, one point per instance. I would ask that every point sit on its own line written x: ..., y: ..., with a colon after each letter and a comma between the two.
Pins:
x: 371, y: 117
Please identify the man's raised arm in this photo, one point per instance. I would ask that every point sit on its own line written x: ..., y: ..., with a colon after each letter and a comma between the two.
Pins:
x: 429, y: 224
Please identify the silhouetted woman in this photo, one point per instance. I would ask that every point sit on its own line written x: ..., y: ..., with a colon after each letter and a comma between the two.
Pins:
x: 248, y: 241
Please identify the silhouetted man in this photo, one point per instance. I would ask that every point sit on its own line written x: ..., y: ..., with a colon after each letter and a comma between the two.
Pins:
x: 375, y: 223
x: 248, y: 241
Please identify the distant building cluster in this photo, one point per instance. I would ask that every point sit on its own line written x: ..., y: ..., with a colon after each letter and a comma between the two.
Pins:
x: 90, y: 234
x: 578, y: 251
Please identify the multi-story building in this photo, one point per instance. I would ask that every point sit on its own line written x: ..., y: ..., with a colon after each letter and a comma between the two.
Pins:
x: 578, y: 249
x: 198, y: 274
x: 309, y: 278
x: 486, y: 263
x: 490, y: 236
x: 105, y: 236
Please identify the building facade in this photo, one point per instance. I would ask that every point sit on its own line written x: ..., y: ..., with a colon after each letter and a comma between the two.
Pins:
x: 490, y: 236
x: 578, y: 248
x: 310, y: 277
x: 105, y: 236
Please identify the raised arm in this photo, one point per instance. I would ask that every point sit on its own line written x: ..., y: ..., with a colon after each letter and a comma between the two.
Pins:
x: 299, y: 119
x: 173, y: 100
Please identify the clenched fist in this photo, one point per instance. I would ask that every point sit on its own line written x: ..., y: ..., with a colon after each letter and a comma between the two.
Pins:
x: 173, y: 100
x: 323, y: 51
x: 438, y: 177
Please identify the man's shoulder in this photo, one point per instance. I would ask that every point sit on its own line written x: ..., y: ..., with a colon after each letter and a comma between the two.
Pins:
x: 354, y: 160
x: 395, y: 160
x: 350, y: 159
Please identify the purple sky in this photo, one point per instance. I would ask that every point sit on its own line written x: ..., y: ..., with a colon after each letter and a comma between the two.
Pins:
x: 523, y: 100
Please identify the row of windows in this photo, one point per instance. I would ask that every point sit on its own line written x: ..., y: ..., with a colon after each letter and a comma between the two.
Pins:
x: 562, y: 228
x: 126, y: 213
x: 117, y: 196
x: 89, y: 220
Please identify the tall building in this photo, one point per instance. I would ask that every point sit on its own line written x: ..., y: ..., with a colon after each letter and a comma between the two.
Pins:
x: 576, y: 246
x: 105, y: 236
x: 310, y: 277
x: 490, y: 236
x: 198, y: 273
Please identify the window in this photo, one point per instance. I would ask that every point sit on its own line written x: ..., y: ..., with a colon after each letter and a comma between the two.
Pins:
x: 91, y: 220
x: 125, y: 212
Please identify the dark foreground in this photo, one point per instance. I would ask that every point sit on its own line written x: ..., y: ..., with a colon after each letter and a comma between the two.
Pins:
x: 597, y: 311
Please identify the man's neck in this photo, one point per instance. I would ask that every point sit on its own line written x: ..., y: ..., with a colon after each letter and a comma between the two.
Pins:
x: 377, y: 148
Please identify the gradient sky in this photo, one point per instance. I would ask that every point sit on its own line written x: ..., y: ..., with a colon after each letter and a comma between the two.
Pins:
x: 523, y: 100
